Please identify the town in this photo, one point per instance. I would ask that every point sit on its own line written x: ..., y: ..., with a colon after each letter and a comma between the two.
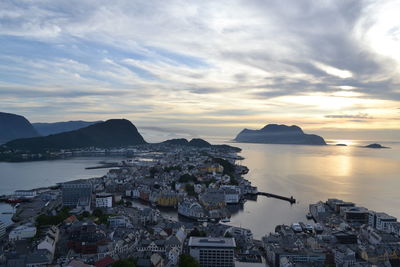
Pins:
x: 98, y: 222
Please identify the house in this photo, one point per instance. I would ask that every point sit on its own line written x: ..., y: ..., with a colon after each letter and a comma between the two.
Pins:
x: 50, y: 240
x: 156, y: 260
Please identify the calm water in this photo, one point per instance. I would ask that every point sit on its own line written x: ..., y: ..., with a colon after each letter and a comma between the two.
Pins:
x: 29, y: 175
x: 369, y: 177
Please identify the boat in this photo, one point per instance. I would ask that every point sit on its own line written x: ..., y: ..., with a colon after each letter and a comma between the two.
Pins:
x: 303, y: 226
x: 226, y: 219
x: 309, y: 228
x: 296, y: 228
x: 318, y: 228
x: 309, y: 216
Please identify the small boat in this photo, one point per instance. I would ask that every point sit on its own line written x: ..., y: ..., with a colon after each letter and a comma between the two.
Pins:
x: 201, y: 220
x: 309, y: 216
x: 303, y: 226
x: 296, y: 228
x: 309, y: 228
x: 318, y: 228
x: 225, y: 220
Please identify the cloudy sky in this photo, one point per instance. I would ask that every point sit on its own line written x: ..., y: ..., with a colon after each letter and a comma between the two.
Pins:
x: 206, y: 68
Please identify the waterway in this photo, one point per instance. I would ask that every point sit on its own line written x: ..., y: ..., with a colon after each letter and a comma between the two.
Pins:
x: 368, y: 177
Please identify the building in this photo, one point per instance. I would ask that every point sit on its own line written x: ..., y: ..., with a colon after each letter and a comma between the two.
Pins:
x: 22, y: 232
x: 2, y: 229
x: 104, y: 200
x: 231, y: 196
x: 119, y: 221
x: 383, y: 221
x: 358, y: 215
x: 50, y: 240
x: 25, y: 193
x: 211, y: 251
x: 76, y: 193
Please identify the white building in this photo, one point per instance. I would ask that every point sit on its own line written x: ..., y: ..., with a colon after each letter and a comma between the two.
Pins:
x: 104, y: 200
x: 25, y: 193
x: 22, y: 232
x: 383, y: 221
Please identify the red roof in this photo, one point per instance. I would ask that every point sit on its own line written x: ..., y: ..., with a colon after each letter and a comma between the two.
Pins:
x: 104, y: 262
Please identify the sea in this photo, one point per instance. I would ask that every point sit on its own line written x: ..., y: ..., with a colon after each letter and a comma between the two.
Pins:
x: 368, y: 177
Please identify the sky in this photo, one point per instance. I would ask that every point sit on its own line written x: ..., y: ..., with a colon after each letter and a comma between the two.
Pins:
x: 205, y: 68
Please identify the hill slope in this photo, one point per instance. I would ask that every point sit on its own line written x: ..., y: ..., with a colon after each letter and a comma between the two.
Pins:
x: 112, y: 133
x: 14, y: 126
x: 279, y: 134
x: 45, y: 129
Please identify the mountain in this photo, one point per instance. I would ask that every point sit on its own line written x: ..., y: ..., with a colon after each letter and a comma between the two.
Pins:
x: 279, y: 134
x: 112, y: 133
x: 45, y: 129
x: 14, y: 126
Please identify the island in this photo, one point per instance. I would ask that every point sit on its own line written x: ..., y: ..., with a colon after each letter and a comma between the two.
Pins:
x: 279, y: 134
x: 375, y: 145
x: 341, y: 145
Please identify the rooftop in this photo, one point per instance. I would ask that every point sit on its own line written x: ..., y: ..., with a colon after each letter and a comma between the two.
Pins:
x: 212, y: 242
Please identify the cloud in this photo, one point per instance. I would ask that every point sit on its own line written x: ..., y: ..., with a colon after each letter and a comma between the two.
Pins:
x: 348, y: 116
x: 252, y: 60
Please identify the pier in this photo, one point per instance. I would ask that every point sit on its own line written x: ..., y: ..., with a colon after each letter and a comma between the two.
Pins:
x: 291, y: 200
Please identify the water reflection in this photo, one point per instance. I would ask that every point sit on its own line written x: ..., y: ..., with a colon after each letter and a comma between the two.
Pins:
x: 309, y: 173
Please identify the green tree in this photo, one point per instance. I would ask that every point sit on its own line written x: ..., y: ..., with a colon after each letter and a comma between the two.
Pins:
x: 97, y: 213
x: 129, y: 262
x: 190, y: 189
x: 185, y: 260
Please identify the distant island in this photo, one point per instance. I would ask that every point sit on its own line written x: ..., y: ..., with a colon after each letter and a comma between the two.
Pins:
x: 279, y: 134
x: 13, y: 126
x: 112, y: 133
x: 341, y: 145
x: 375, y: 145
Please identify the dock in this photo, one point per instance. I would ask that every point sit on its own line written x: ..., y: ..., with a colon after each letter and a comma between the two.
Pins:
x: 290, y: 199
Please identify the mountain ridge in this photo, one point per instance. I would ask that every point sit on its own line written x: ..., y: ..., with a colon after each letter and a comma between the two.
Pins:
x: 48, y: 128
x: 111, y: 133
x: 14, y: 126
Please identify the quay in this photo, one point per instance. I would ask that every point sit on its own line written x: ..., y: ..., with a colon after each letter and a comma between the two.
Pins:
x: 291, y: 200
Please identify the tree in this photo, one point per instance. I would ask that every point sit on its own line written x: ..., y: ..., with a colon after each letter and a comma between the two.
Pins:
x: 98, y: 213
x: 190, y: 189
x: 185, y: 260
x: 129, y: 262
